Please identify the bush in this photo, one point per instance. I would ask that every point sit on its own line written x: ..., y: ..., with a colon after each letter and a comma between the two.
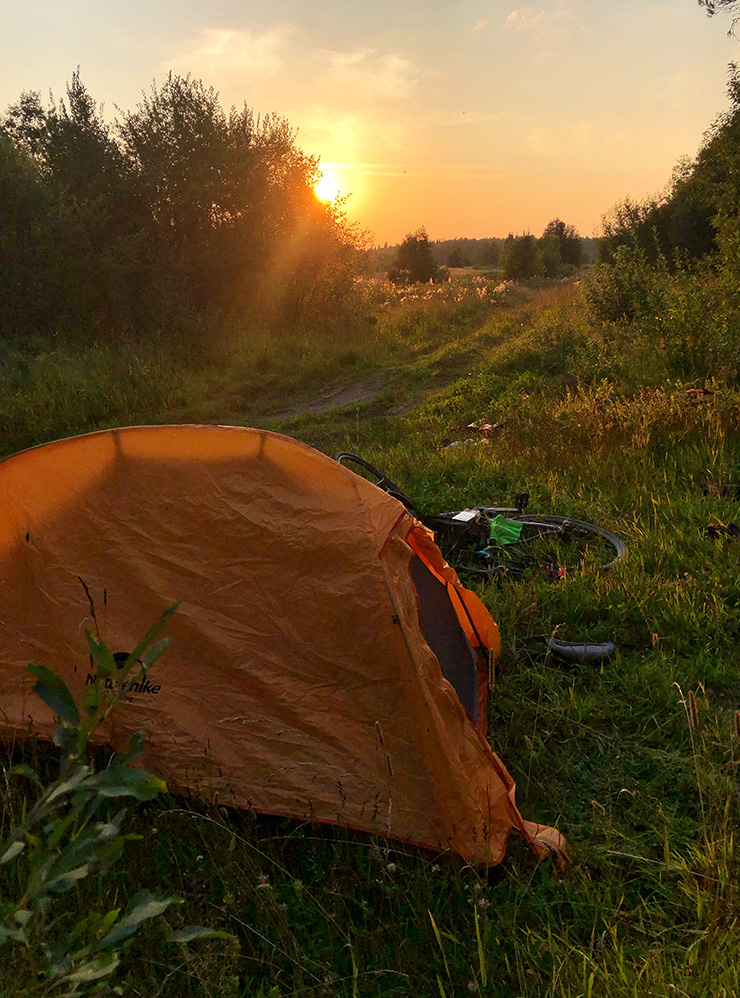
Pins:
x: 521, y: 258
x: 690, y: 317
x: 627, y: 288
x: 414, y: 263
x: 68, y: 834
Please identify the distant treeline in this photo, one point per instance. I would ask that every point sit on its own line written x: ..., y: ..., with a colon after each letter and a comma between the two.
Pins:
x: 464, y: 252
x: 487, y: 252
x: 175, y: 212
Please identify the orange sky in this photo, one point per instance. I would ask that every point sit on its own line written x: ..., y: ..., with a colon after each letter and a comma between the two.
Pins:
x: 470, y: 118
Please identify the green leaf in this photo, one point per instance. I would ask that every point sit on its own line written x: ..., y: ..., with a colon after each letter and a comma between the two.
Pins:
x: 110, y: 829
x: 62, y: 883
x: 122, y: 782
x: 22, y: 770
x: 71, y: 783
x: 141, y: 907
x: 108, y: 920
x: 154, y: 652
x: 65, y: 739
x: 101, y: 655
x: 53, y: 691
x: 134, y: 748
x: 91, y: 703
x: 150, y: 635
x: 191, y: 932
x: 12, y: 851
x: 95, y: 969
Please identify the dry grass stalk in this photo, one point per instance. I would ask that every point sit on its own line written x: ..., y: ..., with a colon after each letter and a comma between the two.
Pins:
x: 693, y: 711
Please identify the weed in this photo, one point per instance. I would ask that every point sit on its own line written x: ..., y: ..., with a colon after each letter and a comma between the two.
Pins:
x: 68, y: 834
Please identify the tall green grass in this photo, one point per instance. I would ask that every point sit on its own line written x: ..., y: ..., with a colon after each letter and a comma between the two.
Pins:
x: 594, y: 421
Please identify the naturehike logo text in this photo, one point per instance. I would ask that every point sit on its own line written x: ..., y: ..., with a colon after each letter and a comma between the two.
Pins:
x: 142, y: 686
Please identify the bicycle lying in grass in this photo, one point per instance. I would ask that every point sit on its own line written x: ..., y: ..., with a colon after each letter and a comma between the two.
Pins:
x: 504, y: 542
x: 499, y: 541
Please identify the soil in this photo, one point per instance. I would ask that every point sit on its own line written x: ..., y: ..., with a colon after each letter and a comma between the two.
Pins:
x: 337, y: 398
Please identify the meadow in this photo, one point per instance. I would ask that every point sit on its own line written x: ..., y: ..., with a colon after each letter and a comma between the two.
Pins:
x: 597, y: 418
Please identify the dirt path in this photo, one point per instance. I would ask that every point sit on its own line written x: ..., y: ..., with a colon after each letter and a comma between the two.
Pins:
x: 337, y: 398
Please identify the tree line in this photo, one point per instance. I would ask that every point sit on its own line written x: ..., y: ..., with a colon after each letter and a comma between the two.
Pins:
x: 558, y: 253
x: 178, y: 209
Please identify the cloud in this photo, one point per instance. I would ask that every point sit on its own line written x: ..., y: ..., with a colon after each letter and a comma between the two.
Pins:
x: 542, y: 22
x: 525, y: 17
x: 479, y: 26
x: 245, y: 54
x: 340, y: 132
x: 370, y: 74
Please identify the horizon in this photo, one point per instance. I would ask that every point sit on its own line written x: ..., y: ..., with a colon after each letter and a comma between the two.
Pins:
x: 459, y: 118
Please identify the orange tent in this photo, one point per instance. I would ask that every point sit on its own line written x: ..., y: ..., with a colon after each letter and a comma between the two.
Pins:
x: 300, y: 679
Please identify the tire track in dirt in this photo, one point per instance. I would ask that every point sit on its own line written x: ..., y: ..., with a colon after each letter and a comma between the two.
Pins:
x: 337, y: 398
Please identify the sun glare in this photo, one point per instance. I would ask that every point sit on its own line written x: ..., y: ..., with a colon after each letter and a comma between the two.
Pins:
x: 326, y: 188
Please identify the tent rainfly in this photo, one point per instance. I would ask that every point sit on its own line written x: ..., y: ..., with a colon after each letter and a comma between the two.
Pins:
x: 325, y: 662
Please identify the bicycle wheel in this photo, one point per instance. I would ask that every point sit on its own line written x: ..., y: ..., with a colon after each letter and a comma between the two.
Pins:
x: 367, y: 471
x: 524, y: 543
x: 563, y: 540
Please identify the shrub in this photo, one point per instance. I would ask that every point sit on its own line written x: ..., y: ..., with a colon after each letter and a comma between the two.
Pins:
x: 68, y: 835
x: 627, y: 288
x: 521, y: 258
x: 414, y: 263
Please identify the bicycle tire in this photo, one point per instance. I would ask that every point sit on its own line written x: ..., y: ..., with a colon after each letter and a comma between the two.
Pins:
x: 443, y: 520
x: 616, y: 543
x: 346, y: 459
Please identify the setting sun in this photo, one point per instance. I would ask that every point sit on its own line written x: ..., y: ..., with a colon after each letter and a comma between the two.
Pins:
x: 326, y: 188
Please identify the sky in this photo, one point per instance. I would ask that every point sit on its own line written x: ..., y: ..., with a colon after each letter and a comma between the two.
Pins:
x: 469, y: 118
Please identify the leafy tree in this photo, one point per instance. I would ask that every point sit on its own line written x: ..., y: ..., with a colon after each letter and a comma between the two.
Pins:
x: 22, y: 207
x: 414, y: 260
x: 457, y: 258
x: 178, y: 208
x: 713, y: 7
x: 701, y: 201
x: 569, y: 242
x: 550, y: 253
x: 521, y: 258
x: 489, y: 252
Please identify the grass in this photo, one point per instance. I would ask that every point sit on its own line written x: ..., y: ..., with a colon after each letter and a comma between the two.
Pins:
x: 594, y: 424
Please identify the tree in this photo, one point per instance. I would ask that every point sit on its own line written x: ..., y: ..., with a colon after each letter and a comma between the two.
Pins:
x: 550, y: 253
x: 86, y: 249
x: 23, y: 206
x: 571, y: 247
x: 713, y: 7
x: 179, y: 207
x: 701, y: 201
x: 521, y: 258
x: 457, y: 258
x: 414, y: 260
x: 488, y: 253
